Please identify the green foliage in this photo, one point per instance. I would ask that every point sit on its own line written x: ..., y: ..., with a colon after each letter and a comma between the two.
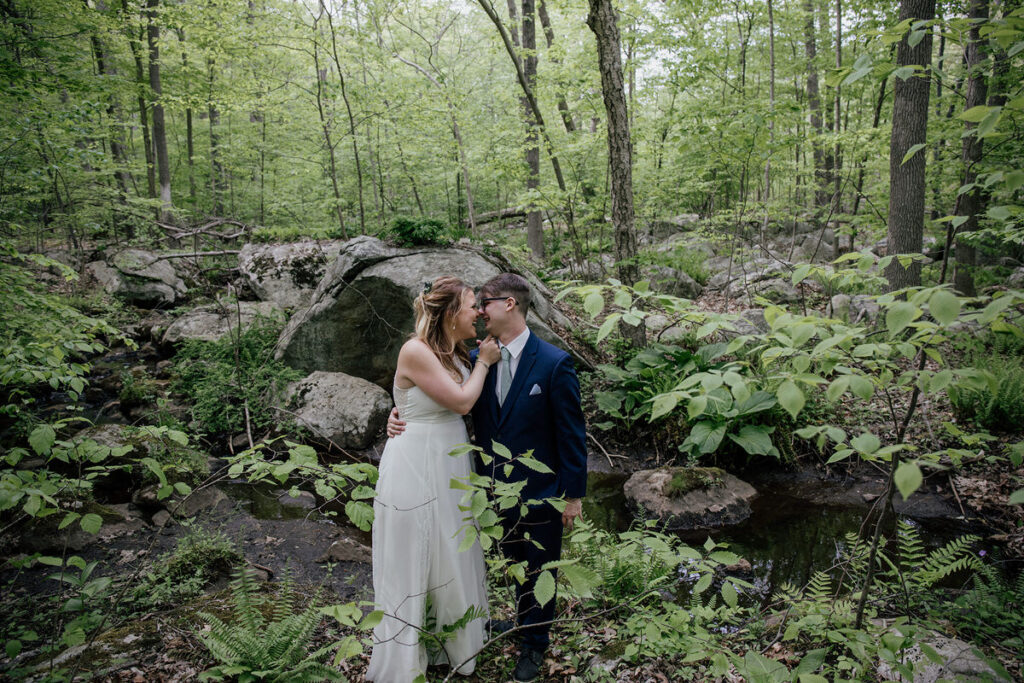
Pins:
x: 991, y: 610
x: 252, y: 647
x: 137, y: 389
x: 44, y: 340
x: 223, y: 377
x: 997, y: 404
x: 199, y: 559
x: 693, y: 262
x: 418, y: 232
x: 170, y: 450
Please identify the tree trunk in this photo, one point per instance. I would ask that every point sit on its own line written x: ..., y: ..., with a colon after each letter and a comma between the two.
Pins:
x: 140, y: 79
x: 163, y: 163
x: 534, y: 227
x: 602, y: 20
x: 909, y: 128
x: 549, y: 38
x: 325, y: 126
x: 971, y: 202
x: 189, y: 132
x: 837, y: 165
x: 213, y: 118
x: 821, y: 194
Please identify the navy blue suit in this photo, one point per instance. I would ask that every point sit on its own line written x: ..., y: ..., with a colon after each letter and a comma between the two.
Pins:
x: 541, y: 412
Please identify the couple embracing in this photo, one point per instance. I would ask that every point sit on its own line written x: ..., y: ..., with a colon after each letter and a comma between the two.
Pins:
x: 523, y: 393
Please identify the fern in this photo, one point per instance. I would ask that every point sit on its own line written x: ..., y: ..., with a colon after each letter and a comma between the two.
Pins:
x: 254, y: 649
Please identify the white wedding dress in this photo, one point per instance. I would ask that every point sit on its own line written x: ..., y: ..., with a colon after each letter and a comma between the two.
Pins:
x: 416, y: 549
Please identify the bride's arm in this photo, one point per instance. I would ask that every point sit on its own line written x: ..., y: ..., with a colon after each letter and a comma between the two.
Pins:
x: 418, y: 364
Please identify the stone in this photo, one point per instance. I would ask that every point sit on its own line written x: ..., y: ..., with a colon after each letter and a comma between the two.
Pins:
x: 214, y: 321
x: 671, y: 281
x: 361, y: 312
x: 858, y: 309
x: 347, y: 550
x: 749, y: 321
x: 286, y: 274
x: 776, y: 290
x: 139, y: 277
x: 349, y: 412
x: 200, y: 500
x: 162, y: 518
x: 1016, y: 279
x: 659, y: 229
x: 304, y: 500
x: 43, y: 536
x: 690, y: 499
x: 959, y: 662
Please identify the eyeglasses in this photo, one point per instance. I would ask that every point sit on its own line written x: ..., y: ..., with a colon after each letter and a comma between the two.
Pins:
x: 482, y: 304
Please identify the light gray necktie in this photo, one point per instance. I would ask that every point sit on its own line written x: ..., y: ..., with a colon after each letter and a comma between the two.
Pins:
x: 506, y: 375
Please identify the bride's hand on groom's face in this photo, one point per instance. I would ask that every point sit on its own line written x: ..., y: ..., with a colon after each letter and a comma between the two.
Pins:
x: 395, y: 425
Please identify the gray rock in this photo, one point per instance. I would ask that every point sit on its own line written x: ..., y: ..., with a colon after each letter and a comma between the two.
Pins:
x: 361, y: 312
x: 959, y: 663
x: 1016, y: 279
x: 118, y: 520
x: 162, y: 518
x: 286, y: 274
x: 671, y: 281
x: 348, y: 411
x: 138, y: 277
x: 859, y: 309
x: 750, y: 321
x: 211, y: 322
x: 661, y: 228
x: 304, y: 500
x: 200, y: 500
x: 776, y: 290
x: 687, y: 499
x: 347, y: 550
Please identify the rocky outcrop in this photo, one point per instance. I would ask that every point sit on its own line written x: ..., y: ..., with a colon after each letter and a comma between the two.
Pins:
x: 139, y: 277
x: 347, y: 411
x: 859, y: 309
x: 361, y: 312
x: 660, y: 229
x: 210, y: 323
x: 690, y: 498
x: 671, y: 281
x: 956, y: 660
x: 286, y: 274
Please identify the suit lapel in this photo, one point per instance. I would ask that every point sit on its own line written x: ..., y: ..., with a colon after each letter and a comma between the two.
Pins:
x: 526, y: 362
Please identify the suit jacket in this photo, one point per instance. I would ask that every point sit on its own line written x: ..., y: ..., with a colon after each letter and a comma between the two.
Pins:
x: 541, y: 412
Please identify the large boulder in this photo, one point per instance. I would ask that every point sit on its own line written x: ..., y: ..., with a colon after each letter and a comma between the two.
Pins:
x: 661, y: 228
x: 956, y: 660
x: 362, y: 311
x: 139, y: 277
x: 286, y: 274
x: 671, y: 281
x: 690, y: 498
x: 211, y: 322
x: 347, y: 411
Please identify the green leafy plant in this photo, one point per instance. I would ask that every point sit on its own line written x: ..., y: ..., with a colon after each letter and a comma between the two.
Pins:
x: 418, y: 232
x: 991, y: 610
x: 253, y: 647
x: 197, y: 560
x: 235, y: 375
x: 998, y: 404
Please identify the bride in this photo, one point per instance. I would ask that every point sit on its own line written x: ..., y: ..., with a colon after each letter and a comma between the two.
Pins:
x: 416, y: 515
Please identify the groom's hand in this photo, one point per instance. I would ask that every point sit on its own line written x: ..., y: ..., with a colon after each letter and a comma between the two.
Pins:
x: 573, y: 509
x: 395, y: 425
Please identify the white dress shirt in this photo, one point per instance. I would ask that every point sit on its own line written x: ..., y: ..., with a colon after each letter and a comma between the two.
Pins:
x: 515, y: 348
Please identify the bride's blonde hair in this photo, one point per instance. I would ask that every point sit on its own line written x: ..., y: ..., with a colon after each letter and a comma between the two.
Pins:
x: 436, y: 308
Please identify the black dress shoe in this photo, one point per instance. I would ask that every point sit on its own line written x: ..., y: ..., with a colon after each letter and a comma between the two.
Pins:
x: 495, y: 627
x: 528, y: 666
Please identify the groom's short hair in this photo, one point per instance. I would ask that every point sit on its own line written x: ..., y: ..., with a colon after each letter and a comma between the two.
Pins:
x: 509, y: 284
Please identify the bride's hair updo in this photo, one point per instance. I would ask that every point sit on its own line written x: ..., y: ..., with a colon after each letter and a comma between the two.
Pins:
x: 436, y: 308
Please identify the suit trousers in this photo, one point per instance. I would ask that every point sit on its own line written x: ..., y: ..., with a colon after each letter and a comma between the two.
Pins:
x: 535, y: 539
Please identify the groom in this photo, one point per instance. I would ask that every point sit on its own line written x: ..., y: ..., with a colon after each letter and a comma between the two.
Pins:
x: 531, y: 400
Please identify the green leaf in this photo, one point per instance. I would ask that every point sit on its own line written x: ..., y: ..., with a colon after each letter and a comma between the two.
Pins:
x: 68, y: 519
x: 156, y: 469
x: 371, y: 620
x: 544, y: 588
x: 535, y: 465
x: 976, y: 114
x: 914, y: 149
x: 944, y: 306
x: 861, y: 386
x: 754, y: 439
x: 468, y: 538
x: 908, y: 478
x: 182, y: 488
x: 899, y: 316
x: 582, y: 579
x: 663, y: 404
x: 866, y: 444
x: 593, y: 304
x: 729, y: 594
x: 790, y: 398
x: 706, y: 436
x: 811, y: 662
x: 607, y: 326
x: 91, y: 523
x: 41, y: 439
x: 501, y: 450
x: 360, y: 514
x: 1017, y: 497
x: 13, y: 648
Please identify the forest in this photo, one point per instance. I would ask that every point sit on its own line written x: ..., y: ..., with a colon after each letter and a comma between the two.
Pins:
x: 783, y: 242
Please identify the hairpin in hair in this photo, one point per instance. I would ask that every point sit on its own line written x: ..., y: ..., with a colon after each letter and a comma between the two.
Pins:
x: 426, y: 287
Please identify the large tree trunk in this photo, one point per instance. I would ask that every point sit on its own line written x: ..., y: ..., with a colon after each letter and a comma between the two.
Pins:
x: 602, y: 20
x: 163, y: 163
x: 821, y: 193
x: 971, y: 203
x: 140, y: 80
x: 909, y: 128
x: 213, y: 118
x: 534, y: 227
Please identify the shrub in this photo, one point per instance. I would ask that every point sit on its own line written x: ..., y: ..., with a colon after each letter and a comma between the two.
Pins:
x: 997, y: 405
x: 417, y: 232
x: 199, y: 559
x: 224, y: 377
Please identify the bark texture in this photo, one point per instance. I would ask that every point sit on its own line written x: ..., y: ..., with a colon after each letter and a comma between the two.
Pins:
x: 909, y: 127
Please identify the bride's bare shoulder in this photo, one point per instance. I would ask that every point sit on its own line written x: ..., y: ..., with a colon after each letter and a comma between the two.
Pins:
x: 415, y: 349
